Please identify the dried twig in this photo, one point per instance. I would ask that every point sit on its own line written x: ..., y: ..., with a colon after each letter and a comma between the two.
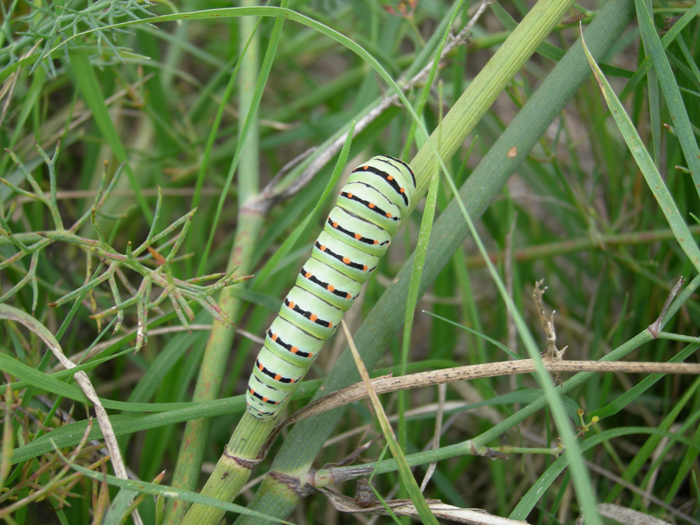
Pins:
x: 407, y: 508
x: 13, y: 314
x: 385, y: 384
x: 655, y: 327
x: 442, y: 390
x: 269, y: 197
x: 551, y: 353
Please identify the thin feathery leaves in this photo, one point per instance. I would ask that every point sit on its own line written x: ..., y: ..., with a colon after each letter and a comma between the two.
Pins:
x: 146, y: 261
x: 52, y: 22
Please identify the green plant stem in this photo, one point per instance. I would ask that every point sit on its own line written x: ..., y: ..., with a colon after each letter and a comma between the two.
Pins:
x: 541, y: 251
x: 250, y: 224
x: 248, y: 167
x: 213, y: 364
x: 245, y: 443
x: 486, y: 87
x: 238, y: 459
x: 303, y: 443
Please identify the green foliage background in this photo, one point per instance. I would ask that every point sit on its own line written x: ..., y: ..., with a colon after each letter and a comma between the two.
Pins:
x: 169, y: 102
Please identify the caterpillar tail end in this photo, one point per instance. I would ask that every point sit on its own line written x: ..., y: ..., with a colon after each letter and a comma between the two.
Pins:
x: 261, y: 407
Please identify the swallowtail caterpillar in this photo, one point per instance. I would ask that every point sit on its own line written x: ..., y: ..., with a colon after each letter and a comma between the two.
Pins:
x: 357, y: 233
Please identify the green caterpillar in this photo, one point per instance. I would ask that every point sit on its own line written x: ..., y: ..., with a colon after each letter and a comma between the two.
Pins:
x: 357, y: 233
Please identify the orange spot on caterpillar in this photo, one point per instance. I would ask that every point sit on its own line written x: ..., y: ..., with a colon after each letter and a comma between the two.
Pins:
x: 264, y: 399
x: 311, y: 355
x: 376, y: 241
x: 364, y: 267
x: 330, y: 288
x: 292, y: 380
x: 335, y: 224
x: 402, y: 190
x: 389, y: 178
x: 330, y: 325
x: 348, y: 296
x: 277, y: 377
x: 291, y: 305
x: 346, y: 260
x: 349, y: 195
x: 358, y: 236
x: 322, y: 248
x: 274, y: 337
x: 260, y: 367
x: 388, y: 215
x: 313, y: 317
x: 371, y: 205
x: 307, y: 275
x: 294, y: 350
x: 365, y: 168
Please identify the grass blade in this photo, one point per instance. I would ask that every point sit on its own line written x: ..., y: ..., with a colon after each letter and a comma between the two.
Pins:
x: 647, y: 166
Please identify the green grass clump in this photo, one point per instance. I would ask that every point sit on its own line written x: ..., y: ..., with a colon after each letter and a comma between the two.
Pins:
x: 156, y: 155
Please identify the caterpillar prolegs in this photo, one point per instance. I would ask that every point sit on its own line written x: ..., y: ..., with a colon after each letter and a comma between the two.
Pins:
x: 357, y: 233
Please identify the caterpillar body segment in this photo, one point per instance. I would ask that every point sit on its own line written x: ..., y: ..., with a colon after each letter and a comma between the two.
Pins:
x: 291, y: 343
x: 384, y: 174
x: 284, y: 374
x: 265, y: 396
x: 350, y: 260
x: 328, y: 284
x: 364, y: 201
x: 356, y: 234
x: 310, y: 313
x: 399, y: 164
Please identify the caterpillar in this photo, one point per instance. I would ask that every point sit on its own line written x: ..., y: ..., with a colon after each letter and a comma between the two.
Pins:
x: 356, y: 234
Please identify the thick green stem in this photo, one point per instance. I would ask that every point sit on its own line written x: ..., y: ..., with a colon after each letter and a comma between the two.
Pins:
x: 250, y: 224
x: 213, y: 365
x: 303, y: 443
x: 603, y: 242
x: 487, y: 86
x: 233, y: 468
x: 248, y: 167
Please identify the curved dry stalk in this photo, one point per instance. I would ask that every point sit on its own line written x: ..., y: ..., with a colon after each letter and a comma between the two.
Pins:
x: 407, y: 508
x: 13, y: 314
x: 386, y: 384
x: 655, y: 327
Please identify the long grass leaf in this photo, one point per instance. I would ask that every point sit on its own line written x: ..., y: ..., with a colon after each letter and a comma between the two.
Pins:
x: 647, y: 167
x: 672, y: 94
x: 90, y: 87
x: 156, y: 489
x: 291, y: 240
x: 409, y: 482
